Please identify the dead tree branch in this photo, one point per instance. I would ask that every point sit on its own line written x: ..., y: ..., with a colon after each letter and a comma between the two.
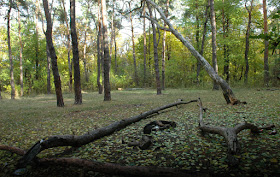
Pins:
x: 76, y: 141
x: 230, y: 134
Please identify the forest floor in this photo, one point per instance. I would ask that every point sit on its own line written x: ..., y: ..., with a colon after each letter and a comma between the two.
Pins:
x: 26, y: 120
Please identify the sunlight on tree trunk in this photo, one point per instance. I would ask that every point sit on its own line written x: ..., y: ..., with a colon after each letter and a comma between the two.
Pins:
x: 106, y: 67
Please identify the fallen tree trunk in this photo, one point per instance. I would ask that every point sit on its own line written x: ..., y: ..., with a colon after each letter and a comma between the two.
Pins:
x: 230, y: 134
x: 110, y: 168
x: 76, y: 141
x: 227, y: 91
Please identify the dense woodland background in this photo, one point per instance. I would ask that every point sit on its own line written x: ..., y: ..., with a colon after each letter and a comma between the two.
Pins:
x: 240, y: 39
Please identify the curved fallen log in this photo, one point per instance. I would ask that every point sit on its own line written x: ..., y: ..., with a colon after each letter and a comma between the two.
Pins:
x: 230, y: 134
x: 76, y: 141
x: 110, y: 168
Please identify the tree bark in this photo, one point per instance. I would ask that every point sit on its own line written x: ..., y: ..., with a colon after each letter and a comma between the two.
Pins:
x: 56, y: 76
x: 20, y: 52
x: 266, y: 43
x: 206, y: 15
x: 106, y: 67
x: 133, y: 46
x: 155, y: 51
x: 247, y: 41
x: 99, y: 55
x: 230, y: 134
x: 163, y: 49
x: 75, y: 50
x: 144, y: 47
x: 48, y: 70
x: 12, y: 82
x: 225, y: 46
x: 227, y: 91
x: 68, y: 47
x: 76, y: 141
x: 85, y: 45
x: 214, y: 42
x: 110, y: 168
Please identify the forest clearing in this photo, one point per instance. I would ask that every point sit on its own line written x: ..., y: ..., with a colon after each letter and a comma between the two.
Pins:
x: 25, y: 121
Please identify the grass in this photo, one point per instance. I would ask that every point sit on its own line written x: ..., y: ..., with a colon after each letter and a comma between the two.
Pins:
x: 29, y: 119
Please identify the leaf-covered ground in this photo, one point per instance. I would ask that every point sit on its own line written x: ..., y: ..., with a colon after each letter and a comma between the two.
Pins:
x: 27, y: 120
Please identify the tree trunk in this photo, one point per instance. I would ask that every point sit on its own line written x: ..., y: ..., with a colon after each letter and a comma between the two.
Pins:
x: 225, y: 47
x: 144, y: 47
x: 85, y: 45
x: 206, y: 15
x: 75, y: 50
x: 48, y: 70
x: 13, y: 91
x: 214, y: 42
x: 266, y: 66
x: 247, y: 41
x: 227, y: 91
x: 56, y: 76
x: 37, y: 41
x: 99, y: 55
x: 77, y: 141
x: 68, y: 47
x: 163, y: 49
x: 106, y: 67
x: 133, y: 47
x: 155, y: 51
x: 20, y: 52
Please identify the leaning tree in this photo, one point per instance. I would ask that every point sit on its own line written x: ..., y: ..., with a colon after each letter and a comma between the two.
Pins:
x: 227, y: 91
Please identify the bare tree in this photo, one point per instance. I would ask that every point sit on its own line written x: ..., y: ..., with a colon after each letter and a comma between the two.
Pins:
x: 214, y: 42
x: 51, y: 48
x: 266, y: 66
x: 155, y: 50
x: 106, y: 67
x: 247, y: 40
x: 13, y: 91
x: 75, y: 50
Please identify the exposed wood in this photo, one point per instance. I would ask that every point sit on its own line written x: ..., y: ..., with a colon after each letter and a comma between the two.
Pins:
x: 227, y: 91
x: 76, y: 141
x: 230, y: 134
